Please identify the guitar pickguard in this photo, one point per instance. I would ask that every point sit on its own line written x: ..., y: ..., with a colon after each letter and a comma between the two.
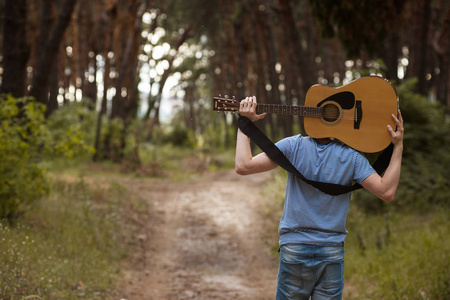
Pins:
x: 332, y: 106
x: 345, y: 99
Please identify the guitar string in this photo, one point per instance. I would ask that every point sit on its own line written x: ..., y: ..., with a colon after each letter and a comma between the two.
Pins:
x: 324, y: 116
x: 312, y: 115
x: 294, y: 111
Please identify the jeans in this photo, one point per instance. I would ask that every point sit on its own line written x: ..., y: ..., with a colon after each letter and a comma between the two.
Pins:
x: 315, y: 271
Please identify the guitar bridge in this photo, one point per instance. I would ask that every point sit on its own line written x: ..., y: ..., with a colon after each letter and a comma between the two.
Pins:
x: 358, y: 114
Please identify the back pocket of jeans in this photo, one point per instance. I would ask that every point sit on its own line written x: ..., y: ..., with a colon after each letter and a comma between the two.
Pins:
x: 333, y: 281
x: 291, y: 276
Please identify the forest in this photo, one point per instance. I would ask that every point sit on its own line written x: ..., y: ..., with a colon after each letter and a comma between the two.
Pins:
x: 96, y: 94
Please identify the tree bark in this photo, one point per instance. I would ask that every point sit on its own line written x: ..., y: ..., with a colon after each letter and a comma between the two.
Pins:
x: 41, y: 76
x: 16, y: 50
x: 391, y: 56
x: 418, y: 43
x: 305, y: 73
x: 424, y: 46
x: 265, y: 17
x: 441, y: 45
x: 105, y: 37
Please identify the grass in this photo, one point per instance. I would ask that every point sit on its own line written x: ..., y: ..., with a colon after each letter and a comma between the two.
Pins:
x: 399, y: 256
x: 179, y: 163
x: 403, y: 254
x: 70, y: 245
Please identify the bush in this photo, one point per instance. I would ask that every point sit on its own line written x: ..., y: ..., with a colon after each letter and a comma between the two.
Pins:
x: 425, y: 177
x: 25, y: 139
x: 23, y: 134
x: 181, y: 137
x: 72, y: 129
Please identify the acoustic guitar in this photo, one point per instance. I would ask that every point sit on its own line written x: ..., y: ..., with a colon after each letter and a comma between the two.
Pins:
x: 356, y: 113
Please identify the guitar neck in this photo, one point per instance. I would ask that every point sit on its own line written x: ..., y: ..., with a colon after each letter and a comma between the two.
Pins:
x: 292, y: 110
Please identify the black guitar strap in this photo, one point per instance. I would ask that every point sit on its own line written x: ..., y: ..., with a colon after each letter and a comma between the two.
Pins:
x: 266, y: 145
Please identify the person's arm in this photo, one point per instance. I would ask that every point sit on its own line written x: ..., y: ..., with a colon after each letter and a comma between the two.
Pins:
x: 385, y: 187
x: 245, y: 162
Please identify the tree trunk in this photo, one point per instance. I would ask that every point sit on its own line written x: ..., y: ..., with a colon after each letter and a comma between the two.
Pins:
x: 53, y: 99
x: 391, y: 55
x: 441, y: 45
x: 39, y: 89
x: 257, y: 36
x: 15, y: 48
x: 82, y: 40
x: 418, y: 43
x: 424, y: 46
x: 105, y: 39
x: 289, y: 77
x: 301, y: 69
x: 231, y: 62
x: 305, y: 73
x: 264, y: 17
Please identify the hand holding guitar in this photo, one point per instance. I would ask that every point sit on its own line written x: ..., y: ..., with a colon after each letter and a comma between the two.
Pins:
x: 247, y: 108
x: 397, y: 136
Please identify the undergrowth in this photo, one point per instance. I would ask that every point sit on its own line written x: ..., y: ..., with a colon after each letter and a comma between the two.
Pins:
x: 399, y: 255
x: 70, y: 245
x: 179, y: 163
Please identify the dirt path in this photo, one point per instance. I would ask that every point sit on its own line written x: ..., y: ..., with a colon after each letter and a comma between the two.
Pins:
x: 202, y: 240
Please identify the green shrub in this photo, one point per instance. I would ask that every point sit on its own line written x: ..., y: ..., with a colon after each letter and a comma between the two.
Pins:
x: 23, y: 134
x: 72, y: 129
x: 425, y: 175
x: 181, y: 136
x: 26, y: 139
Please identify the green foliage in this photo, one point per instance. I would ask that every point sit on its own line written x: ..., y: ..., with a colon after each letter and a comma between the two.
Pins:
x: 72, y: 129
x: 397, y: 255
x: 426, y: 176
x: 181, y: 136
x: 71, y: 245
x: 23, y: 135
x: 26, y: 139
x: 111, y: 139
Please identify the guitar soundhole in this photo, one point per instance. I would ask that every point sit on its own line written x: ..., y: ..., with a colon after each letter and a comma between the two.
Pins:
x: 330, y: 112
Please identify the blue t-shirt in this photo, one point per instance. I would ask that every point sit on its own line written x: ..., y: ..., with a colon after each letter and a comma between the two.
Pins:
x: 311, y: 216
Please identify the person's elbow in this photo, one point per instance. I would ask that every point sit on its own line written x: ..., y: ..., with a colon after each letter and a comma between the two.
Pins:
x: 257, y: 164
x: 387, y: 196
x: 241, y: 169
x: 375, y: 185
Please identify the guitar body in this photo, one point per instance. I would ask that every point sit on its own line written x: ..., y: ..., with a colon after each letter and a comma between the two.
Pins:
x: 357, y: 113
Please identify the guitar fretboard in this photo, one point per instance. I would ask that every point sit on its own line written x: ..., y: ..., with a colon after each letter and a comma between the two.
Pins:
x: 302, y: 111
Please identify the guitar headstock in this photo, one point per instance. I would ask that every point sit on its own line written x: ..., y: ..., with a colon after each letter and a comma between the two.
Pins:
x: 225, y: 104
